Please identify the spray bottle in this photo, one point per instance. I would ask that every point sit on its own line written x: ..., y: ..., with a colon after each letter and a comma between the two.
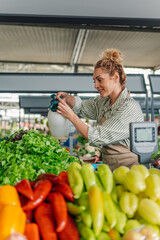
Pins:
x: 59, y: 125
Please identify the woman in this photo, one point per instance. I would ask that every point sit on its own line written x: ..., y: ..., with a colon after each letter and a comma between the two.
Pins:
x: 113, y: 110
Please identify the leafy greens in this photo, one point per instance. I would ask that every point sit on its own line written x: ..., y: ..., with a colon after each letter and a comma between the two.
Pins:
x: 156, y: 155
x: 32, y: 155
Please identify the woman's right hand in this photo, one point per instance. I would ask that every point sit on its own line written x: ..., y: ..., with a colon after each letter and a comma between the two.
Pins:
x: 63, y: 95
x: 70, y: 100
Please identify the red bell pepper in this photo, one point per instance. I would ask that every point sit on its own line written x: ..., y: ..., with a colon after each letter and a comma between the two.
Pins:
x: 24, y: 187
x: 41, y: 190
x: 32, y: 231
x: 59, y: 210
x: 70, y: 232
x: 65, y: 190
x: 64, y: 177
x: 45, y: 219
x: 49, y: 176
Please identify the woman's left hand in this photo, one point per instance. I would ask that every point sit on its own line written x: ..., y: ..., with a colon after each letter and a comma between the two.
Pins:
x: 64, y: 109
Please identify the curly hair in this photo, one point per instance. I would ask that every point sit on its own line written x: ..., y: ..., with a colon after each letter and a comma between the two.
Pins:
x: 111, y: 61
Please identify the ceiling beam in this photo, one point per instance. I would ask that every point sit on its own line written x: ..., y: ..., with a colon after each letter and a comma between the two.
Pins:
x: 78, y: 47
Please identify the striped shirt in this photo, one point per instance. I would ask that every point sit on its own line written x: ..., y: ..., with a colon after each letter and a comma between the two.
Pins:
x: 118, y: 116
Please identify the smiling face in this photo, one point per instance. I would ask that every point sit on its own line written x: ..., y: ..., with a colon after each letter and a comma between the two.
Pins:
x: 107, y: 86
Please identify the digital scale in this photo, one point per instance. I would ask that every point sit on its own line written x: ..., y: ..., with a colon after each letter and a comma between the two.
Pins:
x: 144, y: 140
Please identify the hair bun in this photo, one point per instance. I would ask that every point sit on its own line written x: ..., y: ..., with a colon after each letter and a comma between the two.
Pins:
x: 113, y: 55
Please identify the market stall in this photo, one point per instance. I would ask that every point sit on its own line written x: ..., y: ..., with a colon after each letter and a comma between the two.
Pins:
x: 77, y: 198
x: 46, y: 192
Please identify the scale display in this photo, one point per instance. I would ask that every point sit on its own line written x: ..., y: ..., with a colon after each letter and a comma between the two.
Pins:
x: 144, y: 140
x: 144, y: 134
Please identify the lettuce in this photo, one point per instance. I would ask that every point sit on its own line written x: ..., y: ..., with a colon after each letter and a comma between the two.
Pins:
x: 32, y: 155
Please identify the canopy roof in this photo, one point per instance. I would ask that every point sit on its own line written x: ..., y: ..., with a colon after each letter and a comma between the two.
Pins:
x: 78, y: 44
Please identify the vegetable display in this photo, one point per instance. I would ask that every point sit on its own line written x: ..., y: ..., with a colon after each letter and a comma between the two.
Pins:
x: 25, y: 155
x: 115, y: 204
x: 107, y: 209
x: 46, y: 194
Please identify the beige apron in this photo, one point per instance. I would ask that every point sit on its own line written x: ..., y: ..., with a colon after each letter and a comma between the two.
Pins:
x: 116, y: 155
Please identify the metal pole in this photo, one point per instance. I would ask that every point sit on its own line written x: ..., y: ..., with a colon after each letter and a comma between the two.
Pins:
x: 147, y: 111
x: 19, y: 117
x: 152, y: 107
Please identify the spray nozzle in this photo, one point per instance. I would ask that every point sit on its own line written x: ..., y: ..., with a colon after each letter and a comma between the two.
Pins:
x: 54, y: 103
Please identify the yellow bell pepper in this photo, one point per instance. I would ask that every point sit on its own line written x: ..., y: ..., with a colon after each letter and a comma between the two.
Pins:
x: 97, y: 208
x: 131, y: 224
x: 128, y: 203
x: 155, y: 171
x: 12, y: 218
x: 149, y: 211
x: 119, y: 174
x: 134, y: 182
x: 153, y: 187
x: 142, y: 169
x: 9, y: 196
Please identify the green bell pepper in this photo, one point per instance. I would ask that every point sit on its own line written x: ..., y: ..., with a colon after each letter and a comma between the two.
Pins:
x: 74, y: 209
x: 75, y: 179
x: 109, y: 209
x: 106, y: 177
x: 88, y: 175
x: 103, y: 236
x: 85, y: 232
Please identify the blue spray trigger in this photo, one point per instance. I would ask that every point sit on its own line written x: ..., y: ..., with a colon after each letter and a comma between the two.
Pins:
x: 54, y: 103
